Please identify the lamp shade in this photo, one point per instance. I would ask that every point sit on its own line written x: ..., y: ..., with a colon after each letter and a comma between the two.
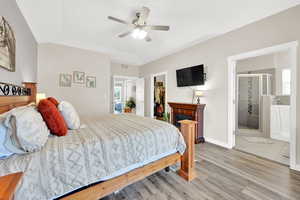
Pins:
x: 40, y: 96
x: 198, y: 93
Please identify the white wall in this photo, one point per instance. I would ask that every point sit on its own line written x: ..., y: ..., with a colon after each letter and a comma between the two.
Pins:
x: 256, y: 63
x: 277, y: 29
x: 56, y: 59
x: 124, y: 70
x: 26, y: 46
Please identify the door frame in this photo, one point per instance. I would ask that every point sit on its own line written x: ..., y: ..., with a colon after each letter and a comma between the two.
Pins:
x: 113, y: 85
x: 232, y: 61
x: 152, y: 91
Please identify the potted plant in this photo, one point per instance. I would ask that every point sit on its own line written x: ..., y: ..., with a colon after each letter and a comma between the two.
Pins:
x: 130, y: 104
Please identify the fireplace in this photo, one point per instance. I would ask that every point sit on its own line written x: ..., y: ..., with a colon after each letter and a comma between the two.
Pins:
x: 182, y: 111
x: 179, y: 117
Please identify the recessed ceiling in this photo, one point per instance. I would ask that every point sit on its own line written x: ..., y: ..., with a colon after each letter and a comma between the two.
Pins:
x: 84, y: 23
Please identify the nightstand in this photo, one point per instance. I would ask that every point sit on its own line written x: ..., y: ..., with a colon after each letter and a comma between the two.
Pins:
x: 8, y: 185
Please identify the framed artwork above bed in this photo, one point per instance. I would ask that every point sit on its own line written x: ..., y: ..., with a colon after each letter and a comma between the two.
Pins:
x: 78, y: 77
x: 65, y: 80
x: 91, y: 82
x: 7, y: 46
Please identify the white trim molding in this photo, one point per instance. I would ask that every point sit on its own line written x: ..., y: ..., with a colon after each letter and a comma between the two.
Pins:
x: 295, y: 167
x: 217, y: 142
x: 292, y: 47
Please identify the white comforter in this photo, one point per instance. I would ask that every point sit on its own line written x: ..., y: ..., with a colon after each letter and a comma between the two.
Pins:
x: 106, y: 145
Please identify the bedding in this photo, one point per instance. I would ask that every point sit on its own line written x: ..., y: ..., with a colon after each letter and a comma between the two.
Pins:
x: 4, y: 152
x: 52, y: 117
x: 109, y: 146
x: 26, y: 130
x: 70, y: 115
x: 53, y: 100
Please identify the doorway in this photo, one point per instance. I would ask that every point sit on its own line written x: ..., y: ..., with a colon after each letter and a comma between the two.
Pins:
x: 262, y: 103
x: 158, y: 105
x: 128, y: 95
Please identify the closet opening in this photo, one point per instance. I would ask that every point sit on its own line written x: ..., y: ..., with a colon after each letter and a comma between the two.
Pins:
x: 159, y: 96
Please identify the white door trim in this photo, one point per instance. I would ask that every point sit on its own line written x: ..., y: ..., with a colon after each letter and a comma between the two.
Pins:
x: 232, y: 60
x: 152, y: 91
x: 113, y: 85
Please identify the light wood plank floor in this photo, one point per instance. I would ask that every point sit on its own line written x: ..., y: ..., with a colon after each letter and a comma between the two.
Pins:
x: 222, y: 174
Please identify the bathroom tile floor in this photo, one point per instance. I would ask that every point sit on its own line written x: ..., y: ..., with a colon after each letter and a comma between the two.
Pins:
x: 271, y: 149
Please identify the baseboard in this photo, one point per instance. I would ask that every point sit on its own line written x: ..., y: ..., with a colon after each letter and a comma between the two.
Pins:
x: 217, y: 142
x: 296, y: 167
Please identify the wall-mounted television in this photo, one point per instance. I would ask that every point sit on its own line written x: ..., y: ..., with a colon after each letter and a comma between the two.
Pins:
x: 190, y: 76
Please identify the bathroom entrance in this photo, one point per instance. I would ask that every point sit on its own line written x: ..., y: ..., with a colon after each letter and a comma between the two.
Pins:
x: 262, y: 102
x: 251, y: 89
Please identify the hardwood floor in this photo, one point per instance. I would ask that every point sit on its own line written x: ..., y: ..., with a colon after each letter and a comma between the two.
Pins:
x: 222, y: 174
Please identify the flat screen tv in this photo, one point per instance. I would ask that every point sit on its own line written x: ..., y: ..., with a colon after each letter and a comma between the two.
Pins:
x: 190, y: 76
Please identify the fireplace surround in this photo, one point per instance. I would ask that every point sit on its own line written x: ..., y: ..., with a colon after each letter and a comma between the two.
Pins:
x: 182, y: 111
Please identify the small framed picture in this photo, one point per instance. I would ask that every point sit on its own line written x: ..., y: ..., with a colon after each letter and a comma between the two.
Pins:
x: 65, y: 80
x: 78, y: 77
x: 91, y: 82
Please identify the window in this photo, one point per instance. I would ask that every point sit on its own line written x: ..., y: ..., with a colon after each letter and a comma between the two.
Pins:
x: 118, y: 93
x: 286, y: 82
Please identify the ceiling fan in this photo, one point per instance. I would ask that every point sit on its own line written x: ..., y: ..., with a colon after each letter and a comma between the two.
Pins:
x: 139, y: 26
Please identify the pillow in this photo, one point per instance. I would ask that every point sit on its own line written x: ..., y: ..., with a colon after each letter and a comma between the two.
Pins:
x: 70, y: 115
x: 4, y: 152
x: 53, y: 118
x: 26, y: 130
x: 53, y: 100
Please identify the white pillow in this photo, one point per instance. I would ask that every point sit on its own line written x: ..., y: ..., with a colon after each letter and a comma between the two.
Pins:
x: 70, y: 115
x: 4, y: 152
x: 26, y: 130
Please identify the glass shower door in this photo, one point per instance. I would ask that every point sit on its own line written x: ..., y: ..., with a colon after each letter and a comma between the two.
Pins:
x: 248, y: 101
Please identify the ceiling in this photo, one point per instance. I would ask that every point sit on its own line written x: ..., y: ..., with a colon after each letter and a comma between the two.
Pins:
x: 84, y: 23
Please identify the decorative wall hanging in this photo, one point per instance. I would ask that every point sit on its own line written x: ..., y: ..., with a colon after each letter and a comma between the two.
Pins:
x: 91, y: 82
x: 78, y: 77
x: 13, y: 90
x: 7, y: 46
x: 65, y: 80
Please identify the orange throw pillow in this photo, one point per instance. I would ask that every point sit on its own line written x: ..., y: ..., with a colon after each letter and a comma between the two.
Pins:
x: 52, y: 117
x: 53, y: 100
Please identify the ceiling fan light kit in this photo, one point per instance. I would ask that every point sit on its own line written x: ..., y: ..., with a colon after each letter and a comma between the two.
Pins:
x: 139, y: 34
x: 139, y: 26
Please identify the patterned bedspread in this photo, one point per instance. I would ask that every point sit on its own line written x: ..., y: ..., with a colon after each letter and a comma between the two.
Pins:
x: 107, y: 144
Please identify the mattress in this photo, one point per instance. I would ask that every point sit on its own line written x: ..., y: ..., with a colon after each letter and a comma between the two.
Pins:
x: 107, y: 147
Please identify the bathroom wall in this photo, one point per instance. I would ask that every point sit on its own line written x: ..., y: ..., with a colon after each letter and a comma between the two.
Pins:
x: 271, y: 71
x: 267, y: 64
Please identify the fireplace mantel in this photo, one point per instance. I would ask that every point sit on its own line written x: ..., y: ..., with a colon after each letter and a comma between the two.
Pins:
x: 181, y: 111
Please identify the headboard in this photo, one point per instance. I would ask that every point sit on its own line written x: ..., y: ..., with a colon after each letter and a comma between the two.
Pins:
x: 12, y: 96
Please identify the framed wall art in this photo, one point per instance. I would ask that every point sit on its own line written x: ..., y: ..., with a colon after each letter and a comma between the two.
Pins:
x: 79, y: 77
x: 7, y: 46
x: 91, y: 82
x: 65, y: 80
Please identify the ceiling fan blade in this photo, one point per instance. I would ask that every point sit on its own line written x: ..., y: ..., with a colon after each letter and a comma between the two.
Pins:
x: 158, y: 28
x: 148, y: 39
x: 118, y: 20
x: 125, y: 34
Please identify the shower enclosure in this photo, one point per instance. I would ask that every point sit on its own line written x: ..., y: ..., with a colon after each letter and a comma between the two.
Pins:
x: 251, y: 88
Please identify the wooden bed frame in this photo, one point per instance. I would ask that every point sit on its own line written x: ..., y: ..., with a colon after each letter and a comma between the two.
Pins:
x: 102, y: 189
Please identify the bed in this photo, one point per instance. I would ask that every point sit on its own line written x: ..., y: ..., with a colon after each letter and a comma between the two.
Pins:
x: 107, y: 153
